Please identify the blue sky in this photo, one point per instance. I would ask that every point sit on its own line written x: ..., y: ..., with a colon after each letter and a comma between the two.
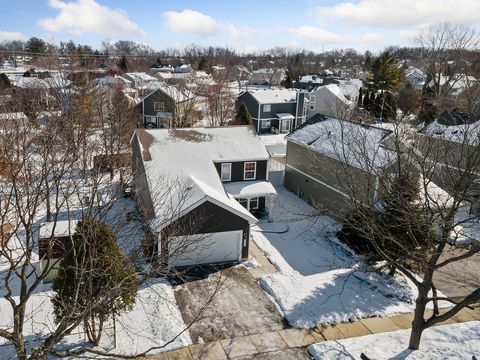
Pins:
x: 245, y: 25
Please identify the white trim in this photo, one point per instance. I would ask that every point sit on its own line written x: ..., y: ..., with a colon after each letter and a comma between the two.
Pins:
x: 258, y: 203
x: 229, y: 171
x: 316, y: 180
x: 254, y: 171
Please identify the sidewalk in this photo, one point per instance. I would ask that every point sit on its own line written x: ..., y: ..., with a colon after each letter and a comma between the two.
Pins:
x: 278, y: 342
x: 247, y: 346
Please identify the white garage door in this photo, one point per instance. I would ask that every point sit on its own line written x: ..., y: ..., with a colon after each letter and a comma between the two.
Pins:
x: 206, y: 248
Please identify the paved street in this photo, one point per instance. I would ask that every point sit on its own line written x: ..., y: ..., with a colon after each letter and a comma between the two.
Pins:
x: 458, y: 279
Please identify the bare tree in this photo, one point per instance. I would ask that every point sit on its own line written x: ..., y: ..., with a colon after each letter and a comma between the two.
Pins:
x: 220, y: 101
x: 444, y: 46
x: 430, y: 236
x: 49, y: 170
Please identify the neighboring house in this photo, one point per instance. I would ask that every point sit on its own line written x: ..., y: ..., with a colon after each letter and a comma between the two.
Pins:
x: 329, y: 159
x: 205, y: 183
x: 183, y: 68
x: 268, y: 76
x: 114, y: 82
x: 328, y: 100
x: 274, y: 110
x: 453, y: 85
x: 158, y: 108
x: 139, y: 80
x: 165, y: 69
x: 415, y: 77
x: 450, y: 145
x: 238, y: 73
x: 54, y: 240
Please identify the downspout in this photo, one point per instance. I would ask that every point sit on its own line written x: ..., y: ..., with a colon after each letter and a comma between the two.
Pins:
x: 258, y: 118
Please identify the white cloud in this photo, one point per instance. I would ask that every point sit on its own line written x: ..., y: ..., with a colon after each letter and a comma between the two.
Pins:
x: 319, y: 35
x: 196, y: 23
x: 372, y: 40
x: 240, y: 32
x: 88, y: 16
x: 404, y: 13
x: 192, y: 22
x: 9, y: 36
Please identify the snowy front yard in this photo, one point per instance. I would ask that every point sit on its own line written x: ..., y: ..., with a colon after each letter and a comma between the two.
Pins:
x: 319, y: 280
x: 154, y: 320
x: 463, y: 343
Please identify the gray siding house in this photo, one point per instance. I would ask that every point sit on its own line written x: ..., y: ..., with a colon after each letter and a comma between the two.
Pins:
x: 328, y: 160
x: 274, y: 110
x: 158, y: 108
x: 200, y: 190
x: 451, y: 147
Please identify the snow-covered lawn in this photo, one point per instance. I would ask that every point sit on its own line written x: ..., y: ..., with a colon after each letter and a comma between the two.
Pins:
x: 320, y: 280
x: 154, y: 320
x: 454, y: 341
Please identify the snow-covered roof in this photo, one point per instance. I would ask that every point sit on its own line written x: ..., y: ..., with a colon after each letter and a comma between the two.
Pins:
x: 13, y: 116
x: 31, y: 83
x: 285, y: 116
x: 314, y: 79
x: 355, y: 144
x: 113, y: 80
x: 170, y: 90
x: 57, y: 229
x: 274, y: 96
x: 464, y: 133
x: 249, y: 189
x: 139, y: 76
x: 187, y: 156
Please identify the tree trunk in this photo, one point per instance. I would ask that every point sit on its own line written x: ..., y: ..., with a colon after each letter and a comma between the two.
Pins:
x: 392, y: 271
x: 418, y: 323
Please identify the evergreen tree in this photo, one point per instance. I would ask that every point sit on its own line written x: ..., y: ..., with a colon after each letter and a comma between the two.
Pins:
x: 93, y: 271
x: 288, y: 81
x: 203, y: 64
x: 366, y: 101
x: 360, y: 98
x: 386, y: 72
x: 243, y: 116
x: 123, y: 63
x: 36, y: 45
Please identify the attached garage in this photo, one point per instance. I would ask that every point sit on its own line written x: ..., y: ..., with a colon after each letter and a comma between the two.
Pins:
x: 208, y: 248
x: 221, y: 234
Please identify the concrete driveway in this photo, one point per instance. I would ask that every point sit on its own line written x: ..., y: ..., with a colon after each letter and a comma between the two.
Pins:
x: 239, y: 308
x: 460, y: 278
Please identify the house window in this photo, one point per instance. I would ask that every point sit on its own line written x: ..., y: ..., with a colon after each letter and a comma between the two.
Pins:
x: 312, y: 102
x: 243, y: 202
x: 249, y: 204
x: 250, y: 171
x: 226, y: 172
x: 159, y: 106
x: 266, y: 124
x: 267, y: 108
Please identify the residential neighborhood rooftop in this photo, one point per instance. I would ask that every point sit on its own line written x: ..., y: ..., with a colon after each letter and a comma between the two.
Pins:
x: 353, y: 143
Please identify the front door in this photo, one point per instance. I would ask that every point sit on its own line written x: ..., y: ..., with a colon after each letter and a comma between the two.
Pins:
x: 285, y: 126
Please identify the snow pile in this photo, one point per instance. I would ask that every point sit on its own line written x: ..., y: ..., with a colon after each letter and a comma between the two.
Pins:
x: 455, y: 341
